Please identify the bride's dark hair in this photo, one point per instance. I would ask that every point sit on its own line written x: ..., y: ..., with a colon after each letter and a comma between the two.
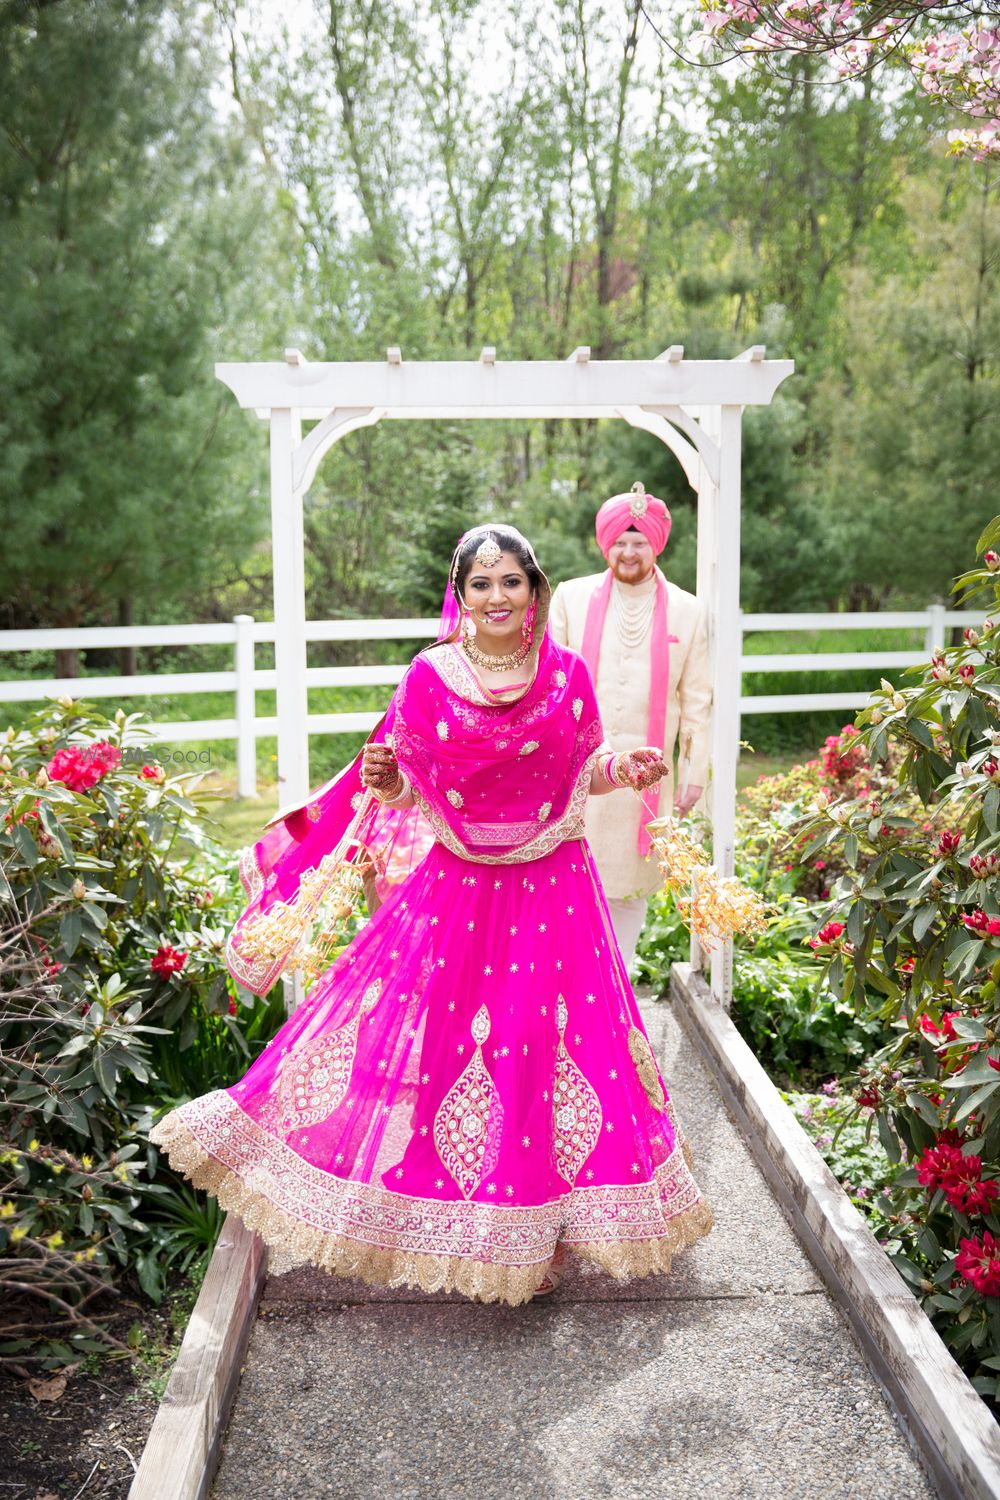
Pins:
x: 508, y: 541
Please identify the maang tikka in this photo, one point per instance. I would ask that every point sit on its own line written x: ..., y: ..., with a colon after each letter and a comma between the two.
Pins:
x: 490, y: 551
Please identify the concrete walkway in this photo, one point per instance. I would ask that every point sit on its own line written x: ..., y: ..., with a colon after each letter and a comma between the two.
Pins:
x: 734, y: 1377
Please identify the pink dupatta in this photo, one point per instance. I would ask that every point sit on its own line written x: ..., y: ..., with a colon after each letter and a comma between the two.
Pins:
x: 499, y: 783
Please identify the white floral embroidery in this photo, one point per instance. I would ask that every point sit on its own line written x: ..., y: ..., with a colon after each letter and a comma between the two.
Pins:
x: 528, y: 748
x: 544, y: 811
x: 561, y: 679
x: 442, y: 729
x: 455, y: 798
x: 577, y: 707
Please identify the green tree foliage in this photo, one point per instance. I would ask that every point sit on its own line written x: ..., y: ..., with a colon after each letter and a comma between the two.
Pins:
x: 582, y: 186
x: 127, y: 227
x: 912, y: 409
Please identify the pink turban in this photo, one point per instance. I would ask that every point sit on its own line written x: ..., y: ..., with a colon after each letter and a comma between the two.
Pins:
x: 644, y: 512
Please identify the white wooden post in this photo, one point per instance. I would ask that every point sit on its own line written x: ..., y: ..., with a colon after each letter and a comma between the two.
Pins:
x: 934, y: 637
x: 289, y: 611
x: 708, y: 502
x: 246, y: 708
x: 288, y: 552
x: 726, y: 670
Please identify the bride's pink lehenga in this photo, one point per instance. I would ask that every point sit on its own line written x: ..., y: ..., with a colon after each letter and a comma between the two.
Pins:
x: 469, y: 1085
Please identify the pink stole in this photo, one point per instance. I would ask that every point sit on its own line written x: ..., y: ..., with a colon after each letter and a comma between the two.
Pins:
x: 659, y: 674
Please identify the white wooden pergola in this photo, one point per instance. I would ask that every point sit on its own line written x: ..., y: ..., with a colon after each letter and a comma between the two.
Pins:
x: 694, y: 407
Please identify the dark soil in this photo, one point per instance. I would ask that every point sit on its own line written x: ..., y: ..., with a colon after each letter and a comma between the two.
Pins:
x: 86, y: 1444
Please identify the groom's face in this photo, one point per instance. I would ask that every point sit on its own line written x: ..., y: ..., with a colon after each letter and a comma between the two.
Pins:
x: 631, y: 557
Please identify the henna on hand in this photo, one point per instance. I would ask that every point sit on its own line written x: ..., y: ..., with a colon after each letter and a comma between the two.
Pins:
x: 380, y: 768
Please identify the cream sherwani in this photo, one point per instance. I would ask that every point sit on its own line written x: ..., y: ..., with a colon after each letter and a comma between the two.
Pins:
x: 623, y: 691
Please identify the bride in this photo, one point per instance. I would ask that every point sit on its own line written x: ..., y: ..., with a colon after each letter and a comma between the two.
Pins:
x: 467, y: 1089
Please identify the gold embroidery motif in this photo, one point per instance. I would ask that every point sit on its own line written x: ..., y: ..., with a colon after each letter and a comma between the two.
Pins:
x: 576, y: 1108
x: 528, y: 748
x: 313, y: 812
x: 455, y: 798
x: 469, y: 1119
x: 560, y: 678
x: 442, y: 729
x: 641, y: 1054
x: 544, y: 811
x: 316, y: 1075
x: 577, y: 706
x: 569, y: 826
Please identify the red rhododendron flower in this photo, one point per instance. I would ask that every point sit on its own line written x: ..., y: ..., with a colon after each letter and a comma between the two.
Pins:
x: 153, y: 773
x: 971, y: 1197
x: 826, y: 935
x: 232, y: 1006
x: 907, y: 965
x: 869, y: 1097
x: 81, y: 767
x: 841, y: 760
x: 948, y: 843
x: 945, y: 1032
x: 978, y: 1261
x: 167, y: 961
x: 938, y: 1163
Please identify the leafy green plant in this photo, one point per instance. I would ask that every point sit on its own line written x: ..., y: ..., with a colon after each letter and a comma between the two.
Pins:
x: 114, y: 997
x: 844, y: 1139
x: 913, y: 942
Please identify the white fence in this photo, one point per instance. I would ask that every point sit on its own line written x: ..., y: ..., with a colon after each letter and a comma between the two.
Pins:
x: 245, y: 679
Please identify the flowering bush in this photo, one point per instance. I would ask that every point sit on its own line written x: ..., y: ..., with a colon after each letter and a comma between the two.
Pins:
x: 918, y: 950
x: 957, y: 67
x: 114, y: 905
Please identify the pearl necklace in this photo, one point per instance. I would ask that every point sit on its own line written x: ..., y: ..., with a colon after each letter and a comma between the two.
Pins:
x: 632, y: 616
x: 483, y: 659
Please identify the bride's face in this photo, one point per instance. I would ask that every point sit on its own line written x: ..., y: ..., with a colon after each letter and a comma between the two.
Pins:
x: 498, y: 598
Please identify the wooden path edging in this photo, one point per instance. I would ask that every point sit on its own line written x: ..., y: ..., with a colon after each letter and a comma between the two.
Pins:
x: 949, y: 1425
x: 182, y: 1451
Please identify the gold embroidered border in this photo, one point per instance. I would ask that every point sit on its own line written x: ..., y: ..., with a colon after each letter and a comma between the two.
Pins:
x: 486, y: 1251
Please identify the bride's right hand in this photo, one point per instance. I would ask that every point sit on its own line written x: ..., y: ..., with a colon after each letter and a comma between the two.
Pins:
x: 379, y: 767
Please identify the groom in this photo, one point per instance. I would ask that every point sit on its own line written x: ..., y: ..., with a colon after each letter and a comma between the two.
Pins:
x: 646, y: 643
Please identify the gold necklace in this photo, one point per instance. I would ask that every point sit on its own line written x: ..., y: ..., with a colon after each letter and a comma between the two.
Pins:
x: 489, y: 663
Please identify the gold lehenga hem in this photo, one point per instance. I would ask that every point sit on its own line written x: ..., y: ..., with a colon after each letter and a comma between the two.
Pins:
x: 294, y: 1243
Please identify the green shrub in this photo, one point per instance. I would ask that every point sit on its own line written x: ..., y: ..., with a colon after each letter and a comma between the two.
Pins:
x: 114, y: 998
x: 914, y: 944
x: 844, y: 1139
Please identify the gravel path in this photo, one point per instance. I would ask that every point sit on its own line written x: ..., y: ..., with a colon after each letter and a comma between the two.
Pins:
x: 736, y: 1376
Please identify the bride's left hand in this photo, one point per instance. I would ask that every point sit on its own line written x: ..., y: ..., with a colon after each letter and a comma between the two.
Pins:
x: 643, y: 767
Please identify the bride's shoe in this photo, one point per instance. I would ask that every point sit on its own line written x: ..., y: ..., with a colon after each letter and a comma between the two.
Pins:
x: 553, y: 1274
